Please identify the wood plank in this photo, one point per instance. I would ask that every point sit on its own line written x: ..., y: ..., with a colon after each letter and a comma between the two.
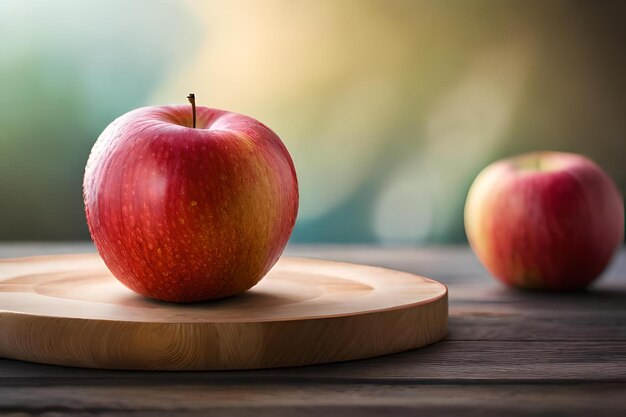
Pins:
x: 604, y: 296
x: 448, y: 361
x: 447, y: 263
x: 525, y: 323
x: 318, y: 400
x: 452, y: 263
x: 504, y: 361
x: 492, y: 312
x: 455, y: 263
x: 482, y: 310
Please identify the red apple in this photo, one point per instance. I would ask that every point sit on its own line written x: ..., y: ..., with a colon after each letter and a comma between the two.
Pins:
x: 545, y: 220
x: 182, y: 213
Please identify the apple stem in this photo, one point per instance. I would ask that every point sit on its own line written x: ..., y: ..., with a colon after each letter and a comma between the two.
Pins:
x: 192, y: 99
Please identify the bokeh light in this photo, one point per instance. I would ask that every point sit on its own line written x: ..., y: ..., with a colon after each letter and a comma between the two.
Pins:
x: 389, y: 108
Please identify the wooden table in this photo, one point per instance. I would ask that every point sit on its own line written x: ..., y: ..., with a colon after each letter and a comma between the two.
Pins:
x: 508, y: 353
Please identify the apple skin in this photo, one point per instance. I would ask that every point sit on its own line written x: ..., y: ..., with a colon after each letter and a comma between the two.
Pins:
x: 546, y: 220
x: 188, y: 214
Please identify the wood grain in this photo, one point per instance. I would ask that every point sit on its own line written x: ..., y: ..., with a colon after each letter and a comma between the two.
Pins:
x: 507, y: 353
x: 446, y: 362
x: 69, y: 310
x: 317, y: 400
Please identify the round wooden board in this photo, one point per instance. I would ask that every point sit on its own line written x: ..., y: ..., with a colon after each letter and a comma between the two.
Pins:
x: 70, y: 310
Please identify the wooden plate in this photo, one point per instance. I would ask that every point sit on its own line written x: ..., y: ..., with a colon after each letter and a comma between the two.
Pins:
x: 70, y: 310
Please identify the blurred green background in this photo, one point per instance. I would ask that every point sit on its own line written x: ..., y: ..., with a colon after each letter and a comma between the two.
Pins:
x: 389, y: 108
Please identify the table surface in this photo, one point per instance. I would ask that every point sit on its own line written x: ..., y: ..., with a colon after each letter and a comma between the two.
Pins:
x: 507, y: 353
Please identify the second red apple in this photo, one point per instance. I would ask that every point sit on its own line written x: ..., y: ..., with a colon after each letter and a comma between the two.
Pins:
x: 545, y: 220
